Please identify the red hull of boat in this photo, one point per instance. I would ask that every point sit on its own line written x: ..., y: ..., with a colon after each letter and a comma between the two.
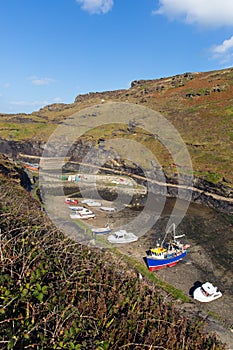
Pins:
x: 155, y: 268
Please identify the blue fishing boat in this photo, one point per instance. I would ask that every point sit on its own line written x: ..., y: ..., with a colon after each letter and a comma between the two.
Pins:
x: 167, y: 253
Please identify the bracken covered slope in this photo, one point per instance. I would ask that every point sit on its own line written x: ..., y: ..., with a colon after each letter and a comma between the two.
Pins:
x: 199, y: 105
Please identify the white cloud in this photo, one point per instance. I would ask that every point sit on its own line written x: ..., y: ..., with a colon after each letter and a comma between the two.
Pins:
x: 29, y: 103
x: 203, y: 12
x: 224, y: 51
x: 7, y: 85
x: 226, y: 46
x: 36, y: 103
x: 57, y: 99
x: 40, y: 81
x: 96, y: 6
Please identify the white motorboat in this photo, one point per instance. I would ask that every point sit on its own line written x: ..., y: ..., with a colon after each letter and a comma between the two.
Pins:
x: 74, y: 208
x: 82, y: 214
x: 85, y: 201
x: 122, y: 236
x: 108, y: 209
x: 206, y: 293
x: 93, y: 204
x: 101, y: 230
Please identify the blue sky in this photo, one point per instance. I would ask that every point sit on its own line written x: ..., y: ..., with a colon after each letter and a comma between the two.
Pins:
x: 54, y: 50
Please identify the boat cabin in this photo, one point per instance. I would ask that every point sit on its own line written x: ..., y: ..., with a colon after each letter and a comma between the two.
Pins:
x: 207, y: 292
x: 208, y: 289
x: 120, y: 234
x: 157, y: 252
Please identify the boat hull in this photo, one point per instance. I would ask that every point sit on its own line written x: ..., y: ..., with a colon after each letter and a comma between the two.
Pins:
x: 122, y: 241
x: 93, y: 204
x: 157, y: 264
x: 101, y: 231
x: 31, y: 167
x: 122, y: 237
x: 82, y: 216
x: 198, y: 295
x: 108, y: 209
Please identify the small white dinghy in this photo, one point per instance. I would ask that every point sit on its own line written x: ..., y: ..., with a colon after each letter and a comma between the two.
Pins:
x: 82, y: 214
x: 206, y: 293
x: 74, y: 208
x: 93, y: 204
x: 85, y: 201
x: 108, y: 209
x: 101, y: 230
x: 122, y: 236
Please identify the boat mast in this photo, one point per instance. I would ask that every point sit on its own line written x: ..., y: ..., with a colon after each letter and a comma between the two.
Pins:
x: 171, y: 228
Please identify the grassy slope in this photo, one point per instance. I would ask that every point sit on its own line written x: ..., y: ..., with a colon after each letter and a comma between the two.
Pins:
x: 57, y: 294
x: 199, y: 105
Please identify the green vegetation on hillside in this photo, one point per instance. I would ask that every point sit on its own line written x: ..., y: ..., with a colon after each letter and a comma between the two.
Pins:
x: 199, y: 105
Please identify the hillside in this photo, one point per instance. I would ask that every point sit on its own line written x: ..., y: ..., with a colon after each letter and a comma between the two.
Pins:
x: 58, y: 294
x: 199, y: 105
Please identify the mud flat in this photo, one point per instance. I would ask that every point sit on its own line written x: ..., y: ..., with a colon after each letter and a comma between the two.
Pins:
x: 210, y: 258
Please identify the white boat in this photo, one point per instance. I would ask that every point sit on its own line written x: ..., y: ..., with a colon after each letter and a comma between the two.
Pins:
x: 101, y: 230
x: 108, y: 209
x: 206, y: 293
x: 122, y: 236
x: 82, y: 210
x: 85, y: 201
x: 82, y: 214
x: 73, y: 208
x: 93, y: 204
